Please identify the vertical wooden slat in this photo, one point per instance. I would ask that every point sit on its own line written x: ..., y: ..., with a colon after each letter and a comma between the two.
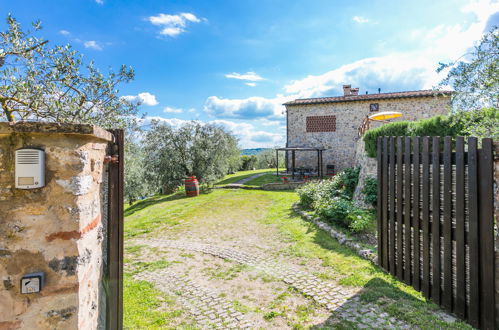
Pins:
x: 473, y: 238
x: 486, y: 232
x: 460, y: 302
x: 115, y: 234
x: 447, y: 225
x: 407, y: 210
x: 425, y: 216
x: 392, y: 205
x: 385, y: 203
x: 435, y: 220
x: 399, y: 210
x: 416, y: 279
x: 379, y: 204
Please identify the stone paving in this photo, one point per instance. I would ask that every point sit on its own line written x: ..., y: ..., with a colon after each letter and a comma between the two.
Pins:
x: 341, y: 301
x: 205, y: 305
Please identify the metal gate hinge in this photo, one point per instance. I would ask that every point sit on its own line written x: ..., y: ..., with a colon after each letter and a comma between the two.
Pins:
x: 115, y: 159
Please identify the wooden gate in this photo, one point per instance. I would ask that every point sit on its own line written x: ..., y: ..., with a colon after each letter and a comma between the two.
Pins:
x: 436, y: 221
x: 115, y: 232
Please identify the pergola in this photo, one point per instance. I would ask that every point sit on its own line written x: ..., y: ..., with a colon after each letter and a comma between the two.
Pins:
x: 293, y: 158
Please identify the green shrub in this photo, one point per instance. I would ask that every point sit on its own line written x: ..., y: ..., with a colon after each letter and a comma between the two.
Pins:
x: 348, y: 180
x: 341, y: 185
x: 334, y: 210
x: 399, y: 128
x: 480, y: 123
x: 434, y: 126
x: 370, y: 191
x: 360, y: 219
x: 332, y: 201
x: 307, y: 194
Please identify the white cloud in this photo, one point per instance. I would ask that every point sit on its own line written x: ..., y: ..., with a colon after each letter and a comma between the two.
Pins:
x: 249, y: 137
x: 65, y: 32
x: 249, y: 76
x: 172, y: 110
x: 174, y: 122
x: 100, y: 2
x: 173, y: 25
x: 360, y: 19
x: 415, y: 69
x: 252, y: 84
x: 144, y: 98
x: 249, y: 108
x: 92, y: 44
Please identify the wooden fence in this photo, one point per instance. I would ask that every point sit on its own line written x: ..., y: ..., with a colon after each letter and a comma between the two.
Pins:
x: 436, y: 221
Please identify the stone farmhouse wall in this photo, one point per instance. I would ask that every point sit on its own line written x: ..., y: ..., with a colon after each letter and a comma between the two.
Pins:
x: 58, y: 229
x: 349, y: 116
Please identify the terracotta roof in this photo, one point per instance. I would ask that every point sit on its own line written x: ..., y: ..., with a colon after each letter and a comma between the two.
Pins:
x: 369, y: 97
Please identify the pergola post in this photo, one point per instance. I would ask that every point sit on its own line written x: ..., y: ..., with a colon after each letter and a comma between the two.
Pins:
x: 318, y: 163
x: 293, y: 164
x: 322, y: 166
x: 277, y: 161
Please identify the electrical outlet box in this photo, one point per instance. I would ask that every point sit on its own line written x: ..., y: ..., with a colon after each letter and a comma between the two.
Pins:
x: 32, y: 283
x: 30, y: 168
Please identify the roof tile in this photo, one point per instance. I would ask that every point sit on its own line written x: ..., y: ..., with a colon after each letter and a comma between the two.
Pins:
x: 369, y: 97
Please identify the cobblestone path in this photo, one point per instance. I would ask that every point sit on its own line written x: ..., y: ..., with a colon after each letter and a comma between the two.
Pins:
x: 206, y: 307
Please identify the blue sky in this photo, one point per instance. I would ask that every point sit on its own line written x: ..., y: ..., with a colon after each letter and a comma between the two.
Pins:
x: 235, y: 62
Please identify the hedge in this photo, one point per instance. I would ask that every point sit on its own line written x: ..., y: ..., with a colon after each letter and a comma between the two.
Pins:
x: 399, y: 128
x: 481, y: 123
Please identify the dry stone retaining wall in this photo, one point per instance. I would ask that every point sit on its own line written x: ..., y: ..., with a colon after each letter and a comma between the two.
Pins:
x: 57, y: 229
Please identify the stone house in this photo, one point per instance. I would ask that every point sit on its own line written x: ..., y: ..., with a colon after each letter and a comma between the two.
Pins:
x: 333, y: 122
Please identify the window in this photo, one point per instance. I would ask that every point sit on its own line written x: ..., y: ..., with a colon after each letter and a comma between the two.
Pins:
x: 374, y: 107
x: 321, y: 124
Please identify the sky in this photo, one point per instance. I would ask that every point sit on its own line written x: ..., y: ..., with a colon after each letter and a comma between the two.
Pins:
x: 233, y: 63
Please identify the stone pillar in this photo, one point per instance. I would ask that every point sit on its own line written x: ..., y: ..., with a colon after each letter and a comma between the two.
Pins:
x: 58, y: 229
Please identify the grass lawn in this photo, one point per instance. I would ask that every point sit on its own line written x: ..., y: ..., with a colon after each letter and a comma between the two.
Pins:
x: 264, y: 179
x: 165, y: 216
x: 231, y: 178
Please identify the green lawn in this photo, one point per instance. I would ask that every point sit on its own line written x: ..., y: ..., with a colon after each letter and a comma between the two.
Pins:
x: 264, y: 179
x: 163, y: 215
x: 231, y: 178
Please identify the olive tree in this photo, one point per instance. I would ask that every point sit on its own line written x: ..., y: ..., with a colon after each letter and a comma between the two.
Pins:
x: 203, y: 150
x: 38, y: 82
x: 268, y: 159
x: 136, y: 183
x: 476, y: 78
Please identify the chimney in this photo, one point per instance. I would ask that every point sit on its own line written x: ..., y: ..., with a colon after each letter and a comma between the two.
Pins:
x: 346, y: 89
x: 354, y: 91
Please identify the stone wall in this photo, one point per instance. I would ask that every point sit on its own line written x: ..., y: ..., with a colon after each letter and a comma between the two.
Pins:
x: 349, y: 116
x: 368, y: 168
x: 57, y: 229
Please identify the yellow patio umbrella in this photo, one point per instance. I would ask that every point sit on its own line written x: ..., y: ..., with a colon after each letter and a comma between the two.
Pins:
x: 382, y: 116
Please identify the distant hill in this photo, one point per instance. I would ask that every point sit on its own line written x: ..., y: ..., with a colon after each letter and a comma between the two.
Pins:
x: 249, y: 152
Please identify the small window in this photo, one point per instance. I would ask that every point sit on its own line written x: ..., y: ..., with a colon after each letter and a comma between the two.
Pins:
x: 321, y: 124
x: 374, y: 107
